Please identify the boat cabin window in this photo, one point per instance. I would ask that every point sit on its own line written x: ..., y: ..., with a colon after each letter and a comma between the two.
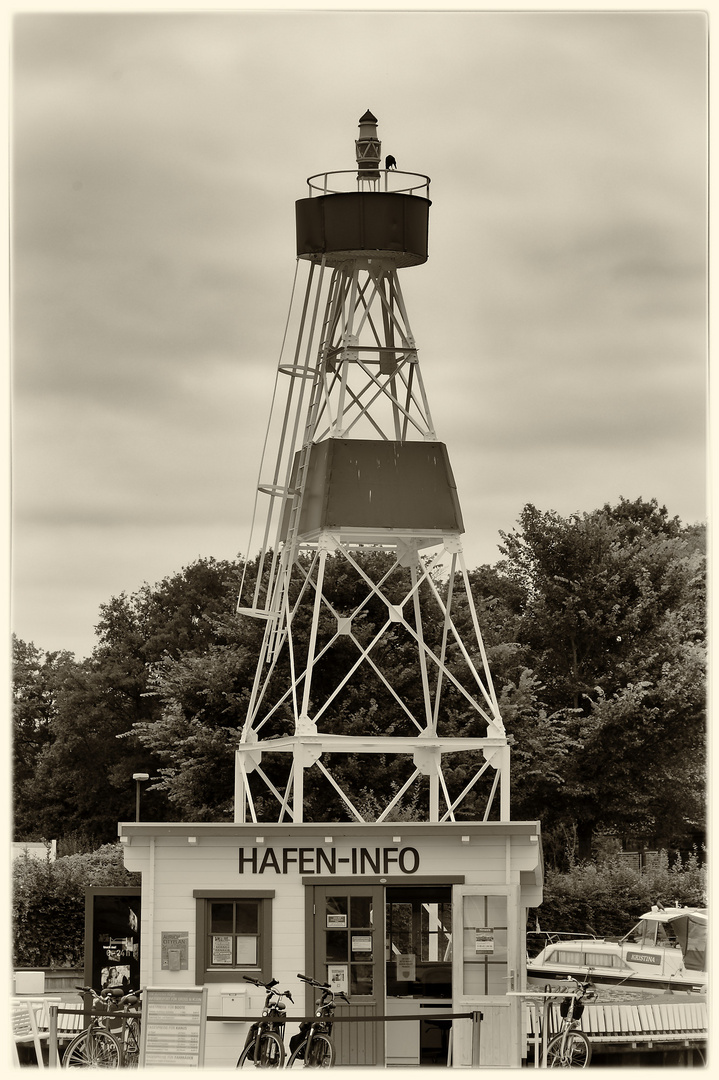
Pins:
x: 666, y: 936
x: 602, y: 959
x: 569, y: 958
x: 566, y: 956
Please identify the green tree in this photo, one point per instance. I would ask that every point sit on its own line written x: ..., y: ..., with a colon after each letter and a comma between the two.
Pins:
x: 594, y: 627
x: 37, y: 679
x: 81, y: 782
x: 613, y: 627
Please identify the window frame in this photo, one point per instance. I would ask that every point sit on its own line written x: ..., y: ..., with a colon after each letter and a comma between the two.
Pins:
x: 204, y: 972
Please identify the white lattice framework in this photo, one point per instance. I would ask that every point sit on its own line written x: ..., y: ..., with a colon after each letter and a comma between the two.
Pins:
x: 355, y: 374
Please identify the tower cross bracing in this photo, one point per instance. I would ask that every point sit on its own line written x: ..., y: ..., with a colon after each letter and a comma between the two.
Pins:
x: 361, y: 557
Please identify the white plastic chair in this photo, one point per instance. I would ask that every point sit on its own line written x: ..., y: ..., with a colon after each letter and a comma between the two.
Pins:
x: 25, y: 1029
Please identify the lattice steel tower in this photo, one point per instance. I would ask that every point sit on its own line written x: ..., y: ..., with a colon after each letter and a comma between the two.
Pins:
x: 362, y: 518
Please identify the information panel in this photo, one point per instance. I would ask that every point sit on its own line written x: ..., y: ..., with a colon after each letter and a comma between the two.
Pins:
x: 173, y: 1026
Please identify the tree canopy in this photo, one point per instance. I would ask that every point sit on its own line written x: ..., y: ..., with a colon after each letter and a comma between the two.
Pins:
x: 594, y: 626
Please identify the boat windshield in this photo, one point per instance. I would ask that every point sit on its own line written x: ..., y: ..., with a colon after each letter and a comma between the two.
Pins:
x: 644, y: 933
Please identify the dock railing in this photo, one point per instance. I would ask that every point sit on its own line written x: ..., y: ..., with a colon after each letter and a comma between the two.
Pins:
x: 679, y: 1020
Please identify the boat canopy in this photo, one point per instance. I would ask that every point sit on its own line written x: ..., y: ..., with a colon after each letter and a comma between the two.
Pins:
x: 687, y: 931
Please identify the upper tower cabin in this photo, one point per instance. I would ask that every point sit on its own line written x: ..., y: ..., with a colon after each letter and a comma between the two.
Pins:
x: 380, y: 213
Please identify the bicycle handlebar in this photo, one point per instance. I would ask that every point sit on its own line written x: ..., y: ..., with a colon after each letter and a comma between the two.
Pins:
x: 326, y: 989
x: 270, y: 987
x: 313, y: 982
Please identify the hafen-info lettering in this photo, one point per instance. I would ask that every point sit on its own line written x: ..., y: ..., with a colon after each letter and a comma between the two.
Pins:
x: 328, y: 860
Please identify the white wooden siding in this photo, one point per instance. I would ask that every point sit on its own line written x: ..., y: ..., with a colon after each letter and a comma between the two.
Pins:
x: 213, y: 863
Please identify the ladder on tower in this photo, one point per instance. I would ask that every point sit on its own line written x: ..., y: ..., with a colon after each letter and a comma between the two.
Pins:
x: 280, y: 600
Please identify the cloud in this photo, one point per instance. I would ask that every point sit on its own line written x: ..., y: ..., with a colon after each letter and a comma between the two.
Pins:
x: 157, y: 159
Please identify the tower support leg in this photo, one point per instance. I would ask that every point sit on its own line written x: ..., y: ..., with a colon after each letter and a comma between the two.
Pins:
x: 433, y: 797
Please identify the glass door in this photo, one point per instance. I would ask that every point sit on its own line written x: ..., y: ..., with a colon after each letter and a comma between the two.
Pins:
x: 418, y: 958
x: 486, y: 923
x: 485, y: 952
x: 348, y: 954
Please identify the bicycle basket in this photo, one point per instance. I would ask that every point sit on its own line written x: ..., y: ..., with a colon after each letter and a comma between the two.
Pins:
x: 299, y: 1038
x: 565, y: 1006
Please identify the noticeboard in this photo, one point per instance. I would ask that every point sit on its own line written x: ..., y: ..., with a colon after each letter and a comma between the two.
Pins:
x: 174, y: 1020
x: 174, y: 949
x: 483, y: 940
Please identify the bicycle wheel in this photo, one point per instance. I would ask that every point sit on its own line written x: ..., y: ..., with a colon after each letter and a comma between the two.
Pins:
x: 297, y: 1057
x: 271, y: 1053
x: 131, y: 1052
x: 321, y: 1053
x: 577, y: 1051
x: 92, y: 1049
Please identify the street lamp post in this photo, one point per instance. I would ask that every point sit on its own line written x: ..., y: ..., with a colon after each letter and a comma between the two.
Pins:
x: 138, y: 777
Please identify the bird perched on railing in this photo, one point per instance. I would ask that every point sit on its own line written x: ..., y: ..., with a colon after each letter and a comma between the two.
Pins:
x: 389, y: 162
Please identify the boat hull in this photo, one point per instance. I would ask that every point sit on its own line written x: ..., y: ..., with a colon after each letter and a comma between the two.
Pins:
x: 637, y: 982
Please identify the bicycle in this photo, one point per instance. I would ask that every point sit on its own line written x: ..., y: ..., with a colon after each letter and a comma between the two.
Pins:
x: 130, y: 1002
x: 265, y: 1043
x: 97, y: 1045
x: 571, y: 1048
x: 313, y: 1044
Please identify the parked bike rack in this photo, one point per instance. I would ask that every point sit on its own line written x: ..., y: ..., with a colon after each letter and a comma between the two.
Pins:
x: 475, y: 1016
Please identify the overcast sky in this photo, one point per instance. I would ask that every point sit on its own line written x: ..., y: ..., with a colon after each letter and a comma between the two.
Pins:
x: 157, y: 158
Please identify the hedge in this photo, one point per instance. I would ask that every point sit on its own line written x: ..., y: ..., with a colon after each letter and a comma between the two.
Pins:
x: 608, y: 897
x: 48, y: 904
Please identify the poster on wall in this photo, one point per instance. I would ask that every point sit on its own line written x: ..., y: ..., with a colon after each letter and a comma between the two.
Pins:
x: 112, y: 938
x: 337, y: 977
x: 483, y: 940
x: 406, y: 967
x: 221, y: 949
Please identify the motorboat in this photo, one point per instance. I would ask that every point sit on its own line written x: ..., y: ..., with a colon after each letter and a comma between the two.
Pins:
x: 665, y: 951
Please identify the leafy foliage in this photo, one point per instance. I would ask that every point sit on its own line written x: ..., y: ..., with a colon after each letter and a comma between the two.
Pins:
x: 612, y: 626
x: 48, y: 904
x: 594, y: 627
x: 80, y: 780
x: 607, y: 898
x: 37, y: 682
